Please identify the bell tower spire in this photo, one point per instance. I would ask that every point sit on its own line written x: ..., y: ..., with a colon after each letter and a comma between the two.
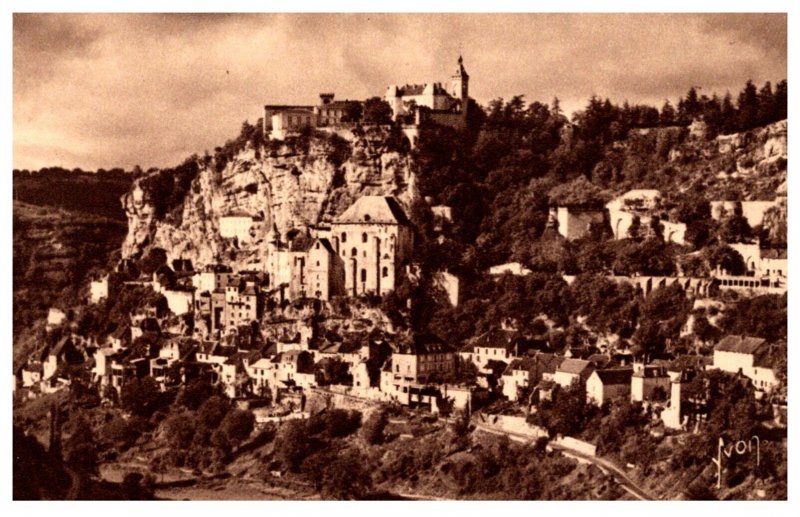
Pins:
x: 459, y: 82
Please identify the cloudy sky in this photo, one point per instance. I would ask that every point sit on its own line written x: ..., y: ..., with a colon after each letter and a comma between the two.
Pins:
x: 97, y: 90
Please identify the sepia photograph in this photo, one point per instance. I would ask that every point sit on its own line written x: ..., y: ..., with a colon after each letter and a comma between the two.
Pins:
x: 399, y: 257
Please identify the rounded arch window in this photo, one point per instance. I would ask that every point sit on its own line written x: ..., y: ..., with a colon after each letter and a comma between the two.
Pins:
x: 354, y: 252
x: 344, y: 237
x: 385, y: 272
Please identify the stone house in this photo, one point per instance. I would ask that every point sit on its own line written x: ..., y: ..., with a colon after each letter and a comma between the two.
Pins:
x: 573, y: 372
x: 608, y: 384
x: 749, y: 356
x: 647, y: 380
x: 527, y: 372
x: 497, y: 344
x: 574, y: 221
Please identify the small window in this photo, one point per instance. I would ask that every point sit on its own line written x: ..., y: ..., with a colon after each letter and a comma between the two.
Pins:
x: 344, y: 237
x: 367, y: 217
x: 364, y: 237
x: 317, y: 246
x: 385, y: 272
x: 354, y: 252
x: 363, y: 275
x: 318, y: 263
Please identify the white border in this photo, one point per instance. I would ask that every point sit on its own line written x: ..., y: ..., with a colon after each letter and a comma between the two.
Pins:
x: 371, y: 508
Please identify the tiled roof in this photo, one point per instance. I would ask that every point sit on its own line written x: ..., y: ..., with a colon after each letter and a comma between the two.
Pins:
x: 496, y: 338
x: 739, y: 344
x: 374, y: 209
x: 283, y: 107
x: 615, y: 376
x: 423, y: 344
x: 327, y: 245
x: 574, y: 366
x: 410, y: 89
x: 652, y: 371
x: 770, y: 356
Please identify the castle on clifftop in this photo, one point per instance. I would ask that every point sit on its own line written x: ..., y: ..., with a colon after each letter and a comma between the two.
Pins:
x: 439, y: 103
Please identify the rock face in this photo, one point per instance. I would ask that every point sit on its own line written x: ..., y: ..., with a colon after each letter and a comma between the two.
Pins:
x: 292, y: 186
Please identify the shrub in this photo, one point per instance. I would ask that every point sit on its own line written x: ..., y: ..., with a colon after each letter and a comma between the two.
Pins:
x: 372, y: 430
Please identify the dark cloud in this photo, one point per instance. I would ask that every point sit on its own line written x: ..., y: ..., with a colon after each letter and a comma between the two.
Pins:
x: 107, y: 90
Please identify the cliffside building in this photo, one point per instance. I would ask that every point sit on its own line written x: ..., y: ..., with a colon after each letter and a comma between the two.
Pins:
x: 281, y: 120
x: 373, y: 237
x: 574, y: 221
x: 445, y: 103
x: 308, y: 267
x: 642, y: 205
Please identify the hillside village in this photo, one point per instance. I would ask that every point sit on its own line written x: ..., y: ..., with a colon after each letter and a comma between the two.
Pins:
x: 287, y: 314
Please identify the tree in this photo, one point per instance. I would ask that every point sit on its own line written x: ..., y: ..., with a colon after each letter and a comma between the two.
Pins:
x: 635, y: 229
x: 237, y: 425
x: 122, y: 433
x: 347, y: 477
x: 195, y: 392
x: 141, y: 396
x: 663, y: 314
x: 761, y: 316
x: 292, y: 444
x: 748, y: 107
x: 80, y: 449
x: 667, y: 116
x: 211, y: 413
x: 372, y: 430
x: 735, y: 228
x: 726, y: 258
x: 704, y: 330
x: 180, y: 428
x: 332, y: 371
x: 352, y: 112
x: 377, y: 111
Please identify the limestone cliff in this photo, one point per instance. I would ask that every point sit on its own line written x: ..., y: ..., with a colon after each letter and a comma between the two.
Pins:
x: 293, y: 186
x: 751, y: 165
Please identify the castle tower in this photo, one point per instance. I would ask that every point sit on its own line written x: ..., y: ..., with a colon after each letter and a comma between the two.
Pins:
x: 459, y: 82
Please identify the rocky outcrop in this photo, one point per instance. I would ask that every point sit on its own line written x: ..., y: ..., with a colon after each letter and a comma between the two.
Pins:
x: 292, y: 186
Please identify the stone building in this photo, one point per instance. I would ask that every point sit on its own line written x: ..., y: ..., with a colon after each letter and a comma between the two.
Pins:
x: 647, y: 381
x: 239, y: 225
x: 608, y: 384
x: 574, y: 221
x: 317, y: 271
x: 642, y: 205
x: 282, y: 120
x: 374, y: 239
x: 446, y: 103
x: 305, y: 267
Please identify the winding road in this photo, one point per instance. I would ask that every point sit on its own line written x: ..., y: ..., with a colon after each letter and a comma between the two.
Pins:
x: 604, y: 464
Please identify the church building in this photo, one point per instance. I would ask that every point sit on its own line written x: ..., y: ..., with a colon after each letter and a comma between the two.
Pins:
x: 374, y: 239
